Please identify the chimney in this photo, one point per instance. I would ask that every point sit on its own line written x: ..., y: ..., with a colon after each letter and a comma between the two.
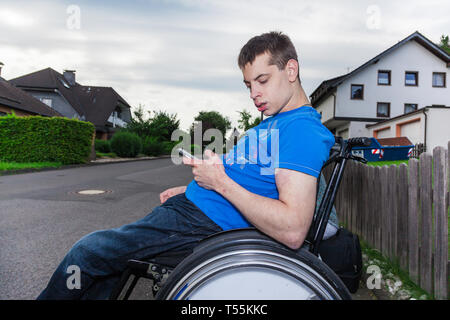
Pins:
x: 1, y: 66
x: 69, y: 75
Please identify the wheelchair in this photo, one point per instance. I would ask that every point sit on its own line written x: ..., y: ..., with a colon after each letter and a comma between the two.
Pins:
x: 245, y: 264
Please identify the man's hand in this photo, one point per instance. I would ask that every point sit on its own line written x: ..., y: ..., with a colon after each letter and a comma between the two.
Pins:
x: 208, y: 173
x: 163, y: 196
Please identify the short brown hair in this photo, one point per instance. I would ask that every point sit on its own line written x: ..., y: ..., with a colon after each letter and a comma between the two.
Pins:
x: 276, y: 43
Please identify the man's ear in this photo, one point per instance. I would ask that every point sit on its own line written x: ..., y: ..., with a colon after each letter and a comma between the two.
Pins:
x: 292, y: 69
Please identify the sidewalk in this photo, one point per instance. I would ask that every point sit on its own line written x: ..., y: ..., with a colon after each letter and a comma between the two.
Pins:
x: 108, y: 160
x: 90, y: 163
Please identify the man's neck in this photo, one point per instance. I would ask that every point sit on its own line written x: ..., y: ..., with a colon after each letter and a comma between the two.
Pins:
x: 302, y: 98
x: 299, y: 99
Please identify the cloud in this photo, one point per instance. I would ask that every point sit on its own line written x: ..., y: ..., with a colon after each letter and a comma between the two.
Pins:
x: 15, y: 18
x: 180, y: 55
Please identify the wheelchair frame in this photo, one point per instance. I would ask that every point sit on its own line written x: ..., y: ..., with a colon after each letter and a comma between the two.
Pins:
x: 159, y: 268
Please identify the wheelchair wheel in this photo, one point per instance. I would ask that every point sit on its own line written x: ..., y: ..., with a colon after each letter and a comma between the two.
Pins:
x: 247, y: 265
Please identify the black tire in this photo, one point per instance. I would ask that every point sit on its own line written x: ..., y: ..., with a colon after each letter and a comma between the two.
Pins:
x: 251, y: 251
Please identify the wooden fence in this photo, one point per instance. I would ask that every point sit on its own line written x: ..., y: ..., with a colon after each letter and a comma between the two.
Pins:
x: 403, y: 212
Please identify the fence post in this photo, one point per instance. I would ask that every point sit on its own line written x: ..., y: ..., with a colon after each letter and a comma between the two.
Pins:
x: 440, y: 156
x: 367, y: 222
x: 384, y: 212
x: 354, y: 196
x: 426, y: 248
x: 402, y: 218
x: 413, y: 219
x: 393, y: 212
x: 359, y: 199
x: 378, y: 210
x: 343, y: 199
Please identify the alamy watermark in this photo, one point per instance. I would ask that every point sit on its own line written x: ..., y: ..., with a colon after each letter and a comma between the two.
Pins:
x: 73, y: 21
x: 255, y: 147
x: 373, y: 21
x: 374, y: 280
x: 74, y: 280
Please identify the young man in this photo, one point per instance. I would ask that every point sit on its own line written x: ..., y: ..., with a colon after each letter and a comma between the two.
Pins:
x: 232, y: 191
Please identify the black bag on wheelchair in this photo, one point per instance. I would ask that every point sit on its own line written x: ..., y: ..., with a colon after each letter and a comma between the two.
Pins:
x: 342, y: 253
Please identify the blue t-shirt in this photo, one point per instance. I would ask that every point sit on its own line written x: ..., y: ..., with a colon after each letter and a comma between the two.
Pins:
x: 294, y: 139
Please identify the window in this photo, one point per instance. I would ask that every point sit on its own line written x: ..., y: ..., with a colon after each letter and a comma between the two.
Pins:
x: 410, y: 107
x: 383, y: 109
x: 65, y: 84
x: 439, y: 79
x: 411, y: 78
x: 384, y: 77
x: 2, y: 114
x: 47, y: 101
x: 357, y: 91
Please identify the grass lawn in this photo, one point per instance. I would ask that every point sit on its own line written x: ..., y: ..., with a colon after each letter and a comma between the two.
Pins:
x: 394, y: 280
x: 8, y: 166
x: 387, y: 163
x: 105, y: 155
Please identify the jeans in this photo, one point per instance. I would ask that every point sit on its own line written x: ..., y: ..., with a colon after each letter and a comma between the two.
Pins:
x: 102, y: 256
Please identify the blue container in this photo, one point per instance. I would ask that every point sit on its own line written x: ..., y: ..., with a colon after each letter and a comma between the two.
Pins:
x: 376, y: 152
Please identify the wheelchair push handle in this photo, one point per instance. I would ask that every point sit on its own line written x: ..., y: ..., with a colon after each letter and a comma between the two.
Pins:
x: 359, y: 142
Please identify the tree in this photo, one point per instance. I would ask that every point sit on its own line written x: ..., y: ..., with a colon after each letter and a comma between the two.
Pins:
x: 138, y: 124
x: 245, y: 121
x: 209, y: 120
x: 160, y: 126
x: 444, y: 43
x: 163, y: 124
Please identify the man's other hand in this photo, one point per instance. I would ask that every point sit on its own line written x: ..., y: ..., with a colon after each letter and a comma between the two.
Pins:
x: 163, y: 196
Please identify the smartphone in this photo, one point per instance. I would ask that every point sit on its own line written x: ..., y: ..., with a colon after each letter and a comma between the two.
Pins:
x: 184, y: 153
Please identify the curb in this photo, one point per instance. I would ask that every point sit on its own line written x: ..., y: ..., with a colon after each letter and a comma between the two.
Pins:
x: 90, y: 164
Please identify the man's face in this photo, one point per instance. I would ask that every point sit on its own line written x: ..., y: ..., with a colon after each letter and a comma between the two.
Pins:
x: 270, y: 88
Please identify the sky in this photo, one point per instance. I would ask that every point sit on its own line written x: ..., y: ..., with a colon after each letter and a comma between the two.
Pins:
x: 180, y: 56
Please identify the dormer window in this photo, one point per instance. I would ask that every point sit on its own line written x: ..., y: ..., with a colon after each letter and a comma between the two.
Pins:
x: 117, y: 112
x: 65, y: 84
x: 47, y: 101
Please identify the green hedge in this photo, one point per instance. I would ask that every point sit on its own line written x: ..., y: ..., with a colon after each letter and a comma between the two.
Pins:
x: 126, y: 144
x: 103, y: 146
x: 38, y: 139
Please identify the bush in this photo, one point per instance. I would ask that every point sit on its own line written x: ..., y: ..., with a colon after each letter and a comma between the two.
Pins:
x: 103, y: 146
x: 168, y: 146
x: 126, y: 144
x: 152, y: 146
x: 41, y: 139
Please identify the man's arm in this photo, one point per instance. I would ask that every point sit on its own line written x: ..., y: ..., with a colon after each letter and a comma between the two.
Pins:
x: 286, y: 219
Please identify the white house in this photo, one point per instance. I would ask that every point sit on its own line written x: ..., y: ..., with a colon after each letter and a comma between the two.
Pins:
x: 429, y: 126
x: 407, y: 77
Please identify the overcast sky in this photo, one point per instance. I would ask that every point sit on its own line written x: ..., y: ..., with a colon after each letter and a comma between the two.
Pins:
x: 180, y: 55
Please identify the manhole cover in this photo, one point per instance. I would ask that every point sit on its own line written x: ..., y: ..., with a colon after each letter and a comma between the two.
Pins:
x: 93, y: 192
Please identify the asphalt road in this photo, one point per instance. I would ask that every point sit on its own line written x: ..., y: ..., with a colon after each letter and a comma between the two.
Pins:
x: 42, y: 215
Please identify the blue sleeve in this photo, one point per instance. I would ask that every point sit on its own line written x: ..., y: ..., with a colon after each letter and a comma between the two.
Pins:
x: 304, y: 146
